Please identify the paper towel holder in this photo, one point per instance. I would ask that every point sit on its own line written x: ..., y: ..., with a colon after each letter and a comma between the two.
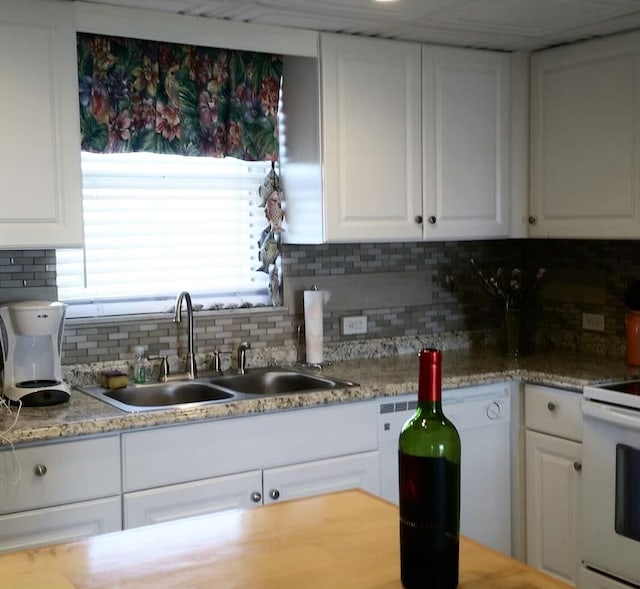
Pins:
x: 300, y: 350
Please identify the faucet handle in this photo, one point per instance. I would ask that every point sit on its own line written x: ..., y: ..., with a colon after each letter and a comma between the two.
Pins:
x: 216, y: 364
x: 163, y: 373
x: 242, y: 356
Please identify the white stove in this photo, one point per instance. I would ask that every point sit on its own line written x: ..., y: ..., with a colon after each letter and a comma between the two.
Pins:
x: 623, y: 393
x: 611, y: 486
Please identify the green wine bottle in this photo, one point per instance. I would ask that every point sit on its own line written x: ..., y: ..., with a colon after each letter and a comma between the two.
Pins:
x: 429, y: 477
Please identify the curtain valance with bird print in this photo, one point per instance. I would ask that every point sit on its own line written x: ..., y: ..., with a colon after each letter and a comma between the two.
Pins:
x: 138, y: 95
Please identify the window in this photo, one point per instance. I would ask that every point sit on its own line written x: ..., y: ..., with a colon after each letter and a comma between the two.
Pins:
x: 156, y: 224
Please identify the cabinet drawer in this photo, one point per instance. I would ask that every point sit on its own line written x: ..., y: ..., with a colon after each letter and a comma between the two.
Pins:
x: 58, y: 473
x: 65, y: 523
x: 553, y: 411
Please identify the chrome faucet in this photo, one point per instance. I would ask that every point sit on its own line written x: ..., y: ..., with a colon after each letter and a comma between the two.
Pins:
x: 242, y: 357
x: 190, y: 368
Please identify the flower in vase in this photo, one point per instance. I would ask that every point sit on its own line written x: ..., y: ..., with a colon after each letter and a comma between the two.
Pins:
x: 508, y: 287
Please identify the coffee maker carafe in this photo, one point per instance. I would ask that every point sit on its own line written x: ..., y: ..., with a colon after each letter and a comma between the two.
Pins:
x: 31, y: 344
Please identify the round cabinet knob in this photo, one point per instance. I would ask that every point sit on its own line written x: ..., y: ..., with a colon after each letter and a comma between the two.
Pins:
x: 419, y: 219
x: 256, y: 497
x: 532, y: 220
x: 274, y: 494
x: 39, y: 470
x: 432, y: 220
x: 551, y: 406
x: 577, y: 466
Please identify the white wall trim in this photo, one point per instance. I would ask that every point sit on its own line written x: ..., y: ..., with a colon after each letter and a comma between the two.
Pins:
x: 208, y: 32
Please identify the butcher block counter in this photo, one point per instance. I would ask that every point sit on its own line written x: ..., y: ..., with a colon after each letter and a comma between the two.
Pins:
x: 342, y: 540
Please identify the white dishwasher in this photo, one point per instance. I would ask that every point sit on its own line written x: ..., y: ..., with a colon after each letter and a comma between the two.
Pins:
x: 482, y: 416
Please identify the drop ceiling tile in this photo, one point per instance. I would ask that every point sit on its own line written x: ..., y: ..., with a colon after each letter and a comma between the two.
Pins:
x: 492, y: 24
x: 524, y: 17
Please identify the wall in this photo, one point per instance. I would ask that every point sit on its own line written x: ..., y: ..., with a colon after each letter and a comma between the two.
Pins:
x: 584, y: 276
x: 402, y: 288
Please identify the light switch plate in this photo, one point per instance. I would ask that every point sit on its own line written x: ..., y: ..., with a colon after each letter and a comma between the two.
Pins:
x: 593, y: 321
x: 354, y: 325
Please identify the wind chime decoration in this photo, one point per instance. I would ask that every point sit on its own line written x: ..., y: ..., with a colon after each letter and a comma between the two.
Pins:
x: 270, y: 239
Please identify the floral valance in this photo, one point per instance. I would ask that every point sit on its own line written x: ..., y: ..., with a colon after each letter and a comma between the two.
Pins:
x: 138, y: 95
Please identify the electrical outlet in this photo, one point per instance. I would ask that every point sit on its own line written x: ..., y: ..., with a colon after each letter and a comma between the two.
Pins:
x: 354, y: 325
x: 593, y: 321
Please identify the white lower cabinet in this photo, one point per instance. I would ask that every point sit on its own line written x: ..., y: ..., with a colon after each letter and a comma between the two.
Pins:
x: 152, y: 506
x: 60, y: 491
x: 360, y: 471
x: 194, y: 469
x: 63, y: 523
x: 553, y: 480
x: 251, y: 489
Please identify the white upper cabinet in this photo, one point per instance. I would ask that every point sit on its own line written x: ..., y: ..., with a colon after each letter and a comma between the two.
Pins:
x: 414, y: 143
x: 371, y: 141
x: 585, y: 123
x: 41, y: 199
x: 465, y: 114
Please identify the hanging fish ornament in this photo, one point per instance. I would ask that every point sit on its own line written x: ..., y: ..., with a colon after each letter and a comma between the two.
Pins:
x: 270, y: 184
x: 274, y: 287
x: 268, y: 252
x: 263, y: 237
x: 269, y: 241
x: 273, y: 211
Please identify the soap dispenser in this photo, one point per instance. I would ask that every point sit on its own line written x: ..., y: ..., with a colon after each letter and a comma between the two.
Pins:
x: 139, y: 368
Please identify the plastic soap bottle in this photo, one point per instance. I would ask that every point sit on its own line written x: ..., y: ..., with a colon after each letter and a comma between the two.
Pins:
x: 139, y: 369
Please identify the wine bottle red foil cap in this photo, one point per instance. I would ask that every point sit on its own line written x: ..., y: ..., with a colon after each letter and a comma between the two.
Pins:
x: 430, y: 379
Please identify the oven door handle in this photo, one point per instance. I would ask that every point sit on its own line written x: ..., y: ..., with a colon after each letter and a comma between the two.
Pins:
x: 614, y: 415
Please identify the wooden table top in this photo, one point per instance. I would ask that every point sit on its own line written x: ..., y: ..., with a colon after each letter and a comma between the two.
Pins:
x: 341, y: 540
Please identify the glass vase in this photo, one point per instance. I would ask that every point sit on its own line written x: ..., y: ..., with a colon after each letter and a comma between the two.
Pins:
x: 513, y: 327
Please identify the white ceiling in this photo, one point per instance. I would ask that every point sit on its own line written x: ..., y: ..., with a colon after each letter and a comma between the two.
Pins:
x: 495, y: 24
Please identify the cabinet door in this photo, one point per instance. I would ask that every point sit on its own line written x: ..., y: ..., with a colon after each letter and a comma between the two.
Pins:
x: 63, y: 523
x: 41, y: 203
x: 237, y: 491
x: 553, y: 468
x: 465, y: 109
x: 359, y: 471
x: 585, y: 101
x: 371, y: 138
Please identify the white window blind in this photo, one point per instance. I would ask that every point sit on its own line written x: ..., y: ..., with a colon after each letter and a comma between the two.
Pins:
x: 156, y: 224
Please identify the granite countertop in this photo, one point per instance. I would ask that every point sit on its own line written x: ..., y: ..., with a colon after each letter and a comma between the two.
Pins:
x: 377, y: 377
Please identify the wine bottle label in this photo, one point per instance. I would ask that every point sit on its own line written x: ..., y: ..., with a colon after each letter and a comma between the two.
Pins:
x: 429, y: 522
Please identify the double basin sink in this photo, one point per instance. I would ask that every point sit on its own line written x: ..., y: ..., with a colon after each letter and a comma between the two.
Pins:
x: 257, y: 382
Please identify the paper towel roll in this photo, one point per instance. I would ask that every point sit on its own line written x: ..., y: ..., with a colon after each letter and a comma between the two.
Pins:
x: 313, y: 335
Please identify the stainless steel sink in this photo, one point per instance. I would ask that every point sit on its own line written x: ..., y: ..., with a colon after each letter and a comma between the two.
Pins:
x: 147, y: 397
x: 278, y: 381
x: 175, y: 393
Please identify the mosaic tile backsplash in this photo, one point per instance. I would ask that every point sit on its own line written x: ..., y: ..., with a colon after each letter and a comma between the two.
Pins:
x: 581, y: 276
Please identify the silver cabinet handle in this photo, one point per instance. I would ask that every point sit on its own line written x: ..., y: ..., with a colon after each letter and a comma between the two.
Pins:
x: 39, y: 470
x: 551, y: 406
x: 256, y: 497
x: 274, y: 494
x: 577, y: 466
x: 419, y: 219
x: 432, y: 220
x: 532, y: 220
